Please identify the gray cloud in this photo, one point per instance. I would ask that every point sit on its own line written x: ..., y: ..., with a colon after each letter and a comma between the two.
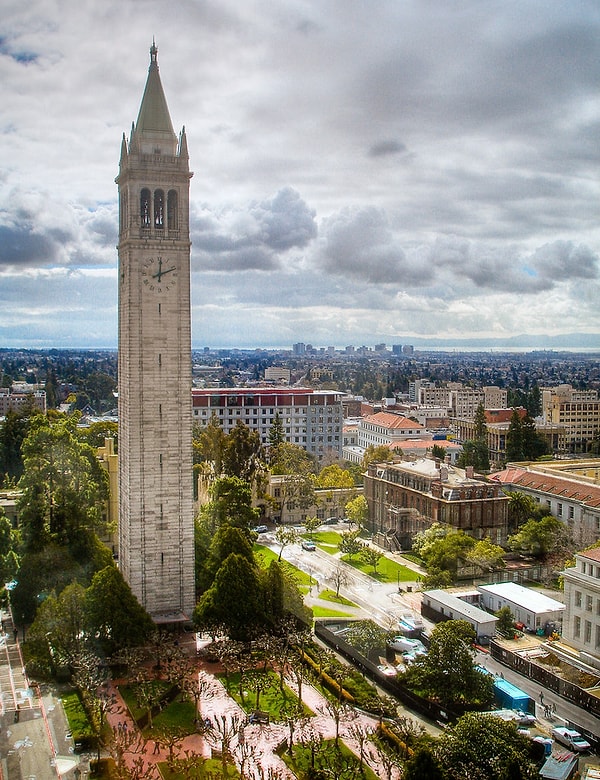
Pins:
x: 256, y: 237
x: 384, y: 169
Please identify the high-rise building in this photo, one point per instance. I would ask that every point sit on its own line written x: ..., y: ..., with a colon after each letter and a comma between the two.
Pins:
x: 156, y: 520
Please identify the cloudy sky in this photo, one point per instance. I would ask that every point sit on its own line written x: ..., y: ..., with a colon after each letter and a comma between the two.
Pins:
x: 365, y: 170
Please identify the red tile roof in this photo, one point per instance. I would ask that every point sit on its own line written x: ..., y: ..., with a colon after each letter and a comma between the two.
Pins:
x: 389, y: 420
x: 547, y: 483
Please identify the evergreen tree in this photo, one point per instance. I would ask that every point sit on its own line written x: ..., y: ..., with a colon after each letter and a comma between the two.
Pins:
x: 514, y: 438
x: 276, y: 434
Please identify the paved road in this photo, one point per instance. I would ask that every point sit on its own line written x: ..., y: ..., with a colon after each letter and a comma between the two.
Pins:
x: 34, y: 741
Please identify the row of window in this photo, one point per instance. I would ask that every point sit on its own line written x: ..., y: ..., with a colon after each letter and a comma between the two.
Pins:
x: 589, y: 602
x: 587, y: 631
x: 590, y: 569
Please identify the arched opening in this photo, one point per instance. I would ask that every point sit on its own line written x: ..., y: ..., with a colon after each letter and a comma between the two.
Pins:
x: 159, y: 209
x: 172, y: 210
x: 145, y: 208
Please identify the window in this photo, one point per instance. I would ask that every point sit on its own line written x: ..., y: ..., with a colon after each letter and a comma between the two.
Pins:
x: 588, y: 632
x: 577, y: 626
x: 577, y: 598
x: 571, y: 512
x: 145, y: 208
x: 588, y: 603
x: 559, y: 510
x: 172, y: 210
x: 159, y: 209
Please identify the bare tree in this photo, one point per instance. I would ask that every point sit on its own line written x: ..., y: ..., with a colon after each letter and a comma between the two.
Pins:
x: 361, y: 735
x: 339, y: 713
x: 339, y: 578
x: 221, y: 733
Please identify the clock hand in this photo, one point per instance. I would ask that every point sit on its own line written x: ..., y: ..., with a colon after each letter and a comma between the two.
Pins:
x: 160, y: 273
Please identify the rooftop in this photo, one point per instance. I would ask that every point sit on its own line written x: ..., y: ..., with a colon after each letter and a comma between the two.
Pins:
x: 529, y: 598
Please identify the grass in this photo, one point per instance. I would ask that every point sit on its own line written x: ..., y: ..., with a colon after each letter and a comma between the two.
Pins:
x: 272, y: 699
x: 266, y: 555
x: 327, y: 541
x: 128, y: 694
x: 209, y: 767
x: 337, y: 760
x: 330, y: 595
x: 79, y: 723
x: 178, y: 716
x: 324, y: 612
x: 387, y: 570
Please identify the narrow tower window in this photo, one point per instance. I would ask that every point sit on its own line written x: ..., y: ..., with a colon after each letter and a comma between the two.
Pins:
x: 145, y: 208
x: 172, y: 210
x: 159, y: 209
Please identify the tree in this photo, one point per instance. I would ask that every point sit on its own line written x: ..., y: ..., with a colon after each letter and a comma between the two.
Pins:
x: 485, y: 555
x: 515, y: 446
x: 233, y: 600
x: 350, y: 543
x: 448, y: 552
x: 243, y: 454
x: 13, y: 431
x: 357, y: 511
x: 423, y: 765
x: 334, y: 476
x: 297, y: 488
x: 521, y: 507
x: 367, y: 637
x: 285, y: 535
x: 541, y: 537
x: 474, y: 453
x: 230, y: 504
x: 380, y: 453
x: 97, y: 432
x: 116, y: 617
x: 506, y: 622
x: 64, y: 486
x: 311, y: 524
x: 371, y: 556
x: 9, y: 545
x: 438, y: 452
x: 483, y: 747
x: 276, y: 435
x: 340, y: 578
x: 447, y: 672
x: 208, y: 444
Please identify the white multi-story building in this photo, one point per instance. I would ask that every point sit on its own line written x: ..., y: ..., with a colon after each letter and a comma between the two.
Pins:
x: 386, y: 428
x: 581, y: 626
x: 312, y: 419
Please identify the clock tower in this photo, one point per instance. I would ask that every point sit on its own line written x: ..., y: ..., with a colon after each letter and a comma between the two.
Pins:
x: 156, y: 517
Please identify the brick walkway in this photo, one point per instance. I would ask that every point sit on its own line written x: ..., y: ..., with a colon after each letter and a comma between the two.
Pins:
x: 253, y: 743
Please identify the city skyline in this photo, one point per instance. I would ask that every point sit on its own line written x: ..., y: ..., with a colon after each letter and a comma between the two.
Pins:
x: 395, y: 173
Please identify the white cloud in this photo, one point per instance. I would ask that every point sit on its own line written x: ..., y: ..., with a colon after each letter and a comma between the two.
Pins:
x: 362, y: 171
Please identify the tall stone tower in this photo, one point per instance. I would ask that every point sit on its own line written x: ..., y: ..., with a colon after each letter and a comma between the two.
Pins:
x: 156, y: 521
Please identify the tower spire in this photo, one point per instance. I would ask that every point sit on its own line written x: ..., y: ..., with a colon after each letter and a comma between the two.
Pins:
x: 154, y: 129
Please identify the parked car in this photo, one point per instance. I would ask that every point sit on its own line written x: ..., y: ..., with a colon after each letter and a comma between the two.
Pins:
x: 260, y: 529
x: 307, y: 545
x: 525, y: 718
x: 405, y: 644
x: 389, y: 671
x: 571, y: 739
x: 331, y: 521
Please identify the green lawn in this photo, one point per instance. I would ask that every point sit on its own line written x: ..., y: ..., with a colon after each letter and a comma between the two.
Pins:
x: 329, y: 595
x: 207, y: 768
x: 78, y: 720
x: 327, y: 541
x: 265, y: 555
x: 178, y: 716
x: 272, y: 699
x: 160, y: 687
x: 325, y: 612
x: 337, y: 761
x: 387, y: 569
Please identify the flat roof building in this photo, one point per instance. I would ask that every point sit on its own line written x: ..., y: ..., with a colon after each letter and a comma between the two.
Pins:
x: 532, y: 609
x: 312, y: 419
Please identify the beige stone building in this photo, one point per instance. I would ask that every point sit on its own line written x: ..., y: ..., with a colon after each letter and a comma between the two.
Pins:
x: 156, y: 517
x: 577, y: 412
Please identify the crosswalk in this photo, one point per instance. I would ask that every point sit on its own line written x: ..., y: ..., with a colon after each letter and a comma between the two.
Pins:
x: 15, y: 694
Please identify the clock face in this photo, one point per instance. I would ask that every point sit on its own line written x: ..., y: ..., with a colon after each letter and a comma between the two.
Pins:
x: 159, y: 273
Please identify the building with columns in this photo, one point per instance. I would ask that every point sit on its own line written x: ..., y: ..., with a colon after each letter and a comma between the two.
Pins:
x: 156, y: 518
